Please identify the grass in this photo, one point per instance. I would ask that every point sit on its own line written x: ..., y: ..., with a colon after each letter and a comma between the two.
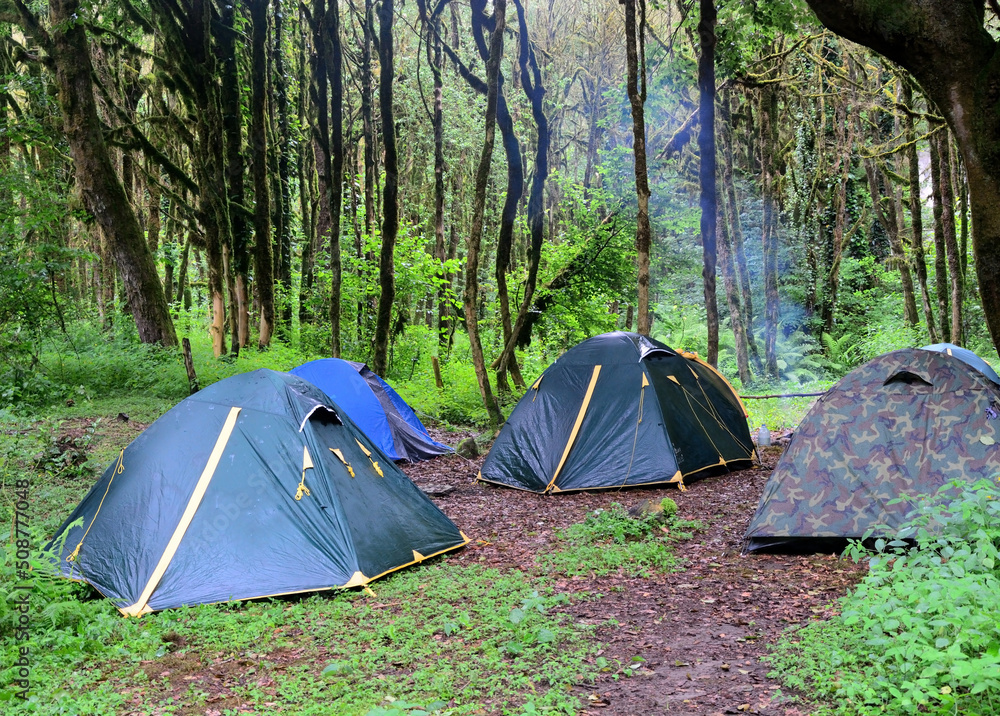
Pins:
x: 610, y: 541
x: 475, y: 640
x: 440, y: 638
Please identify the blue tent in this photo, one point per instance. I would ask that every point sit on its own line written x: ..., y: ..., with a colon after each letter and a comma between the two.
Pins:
x: 967, y: 357
x: 374, y: 406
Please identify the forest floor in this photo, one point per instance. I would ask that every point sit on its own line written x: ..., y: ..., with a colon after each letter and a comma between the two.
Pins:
x: 689, y: 641
x: 697, y: 634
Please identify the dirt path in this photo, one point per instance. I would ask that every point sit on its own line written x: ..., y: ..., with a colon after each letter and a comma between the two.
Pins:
x: 699, y: 633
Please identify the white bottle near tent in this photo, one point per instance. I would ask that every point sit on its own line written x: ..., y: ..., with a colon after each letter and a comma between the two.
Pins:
x: 763, y: 436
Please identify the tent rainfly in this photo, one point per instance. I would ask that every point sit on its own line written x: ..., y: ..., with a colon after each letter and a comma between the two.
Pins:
x: 258, y: 485
x: 900, y: 426
x: 620, y: 409
x: 374, y: 406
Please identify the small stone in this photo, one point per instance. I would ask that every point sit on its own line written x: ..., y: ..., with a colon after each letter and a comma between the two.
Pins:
x: 468, y: 448
x: 437, y: 490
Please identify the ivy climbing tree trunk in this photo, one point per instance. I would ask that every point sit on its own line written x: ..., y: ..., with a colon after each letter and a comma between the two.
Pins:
x: 390, y: 192
x: 941, y: 216
x: 263, y: 266
x: 99, y: 186
x: 916, y: 210
x: 946, y: 47
x: 471, y: 294
x: 950, y: 237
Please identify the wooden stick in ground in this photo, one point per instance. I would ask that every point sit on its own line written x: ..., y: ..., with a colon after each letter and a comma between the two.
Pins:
x: 189, y: 366
x: 437, y: 372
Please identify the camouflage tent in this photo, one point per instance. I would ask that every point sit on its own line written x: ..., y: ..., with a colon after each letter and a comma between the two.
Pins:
x: 904, y: 424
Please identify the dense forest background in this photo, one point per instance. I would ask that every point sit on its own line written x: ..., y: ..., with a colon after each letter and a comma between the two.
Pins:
x: 396, y: 181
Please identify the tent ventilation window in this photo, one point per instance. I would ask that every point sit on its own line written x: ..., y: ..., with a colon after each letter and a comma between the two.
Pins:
x: 905, y: 376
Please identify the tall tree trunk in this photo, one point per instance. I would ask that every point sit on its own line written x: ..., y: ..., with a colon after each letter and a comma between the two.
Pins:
x: 232, y: 124
x: 335, y: 68
x: 471, y: 293
x: 515, y: 189
x: 940, y: 218
x: 390, y: 192
x: 706, y: 148
x: 736, y: 230
x: 283, y: 208
x: 916, y: 210
x: 733, y: 299
x: 99, y: 186
x: 844, y: 131
x: 531, y: 81
x: 729, y: 221
x: 367, y: 121
x: 320, y: 123
x: 263, y: 266
x: 769, y: 234
x: 435, y: 59
x: 950, y: 239
x: 635, y: 60
x: 307, y: 170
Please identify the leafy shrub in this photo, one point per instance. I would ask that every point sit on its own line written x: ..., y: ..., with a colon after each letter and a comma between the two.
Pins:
x: 611, y: 540
x: 921, y: 633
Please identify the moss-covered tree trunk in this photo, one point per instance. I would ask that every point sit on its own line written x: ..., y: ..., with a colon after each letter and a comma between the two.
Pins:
x: 263, y: 261
x: 941, y: 216
x: 728, y: 223
x: 99, y: 185
x: 282, y: 218
x: 232, y: 120
x: 736, y: 229
x: 635, y: 62
x: 916, y: 210
x: 769, y: 233
x: 950, y: 237
x: 954, y: 58
x: 334, y: 64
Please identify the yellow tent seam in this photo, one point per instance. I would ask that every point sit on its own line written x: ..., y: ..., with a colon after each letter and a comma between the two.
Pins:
x: 140, y: 607
x: 576, y: 425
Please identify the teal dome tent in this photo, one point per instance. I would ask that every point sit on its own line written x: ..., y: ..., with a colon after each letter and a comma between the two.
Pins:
x: 258, y: 485
x: 620, y: 409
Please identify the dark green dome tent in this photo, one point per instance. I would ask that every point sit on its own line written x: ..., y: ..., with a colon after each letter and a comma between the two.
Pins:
x: 620, y: 409
x: 258, y: 485
x: 904, y: 424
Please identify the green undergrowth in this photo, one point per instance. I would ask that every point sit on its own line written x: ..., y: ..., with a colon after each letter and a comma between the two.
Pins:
x: 921, y: 633
x: 611, y: 541
x: 782, y: 413
x: 447, y: 638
